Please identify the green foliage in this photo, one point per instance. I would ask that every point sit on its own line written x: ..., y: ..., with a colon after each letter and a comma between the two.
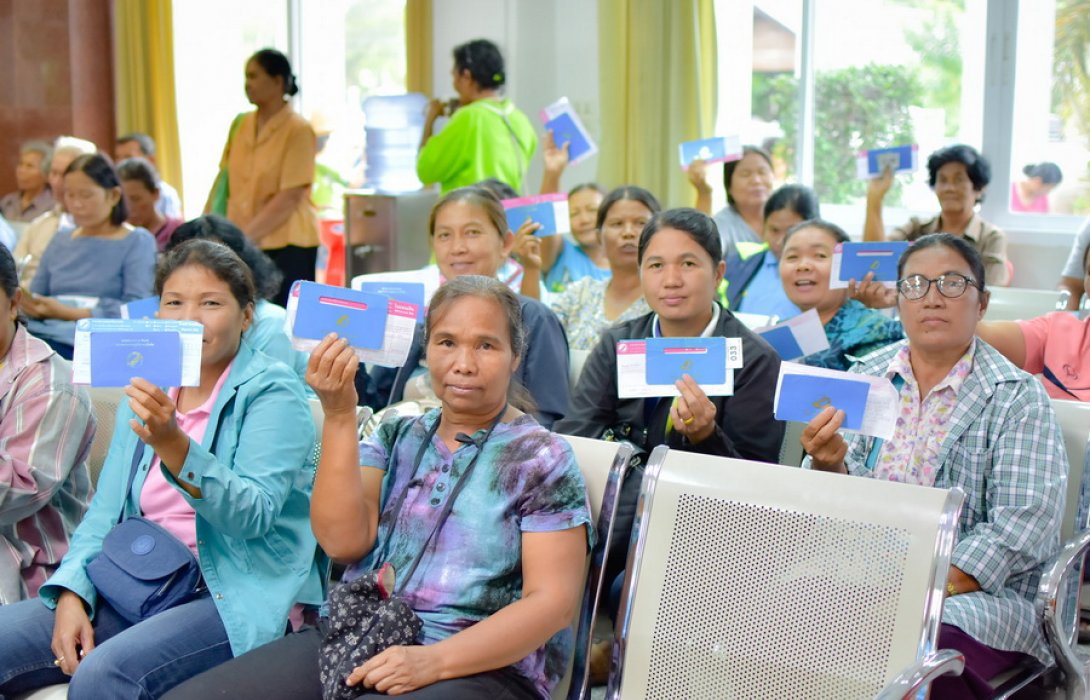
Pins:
x: 855, y: 108
x: 935, y: 41
x: 1071, y: 63
x: 375, y: 56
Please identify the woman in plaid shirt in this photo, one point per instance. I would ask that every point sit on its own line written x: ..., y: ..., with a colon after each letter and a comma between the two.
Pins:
x: 967, y: 418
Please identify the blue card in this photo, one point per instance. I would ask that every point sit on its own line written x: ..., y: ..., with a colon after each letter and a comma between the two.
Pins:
x: 703, y: 359
x: 857, y: 259
x: 141, y: 308
x: 565, y: 130
x: 543, y: 213
x: 710, y: 150
x: 783, y: 341
x: 899, y: 159
x: 358, y: 316
x: 117, y: 357
x: 803, y: 396
x: 409, y: 292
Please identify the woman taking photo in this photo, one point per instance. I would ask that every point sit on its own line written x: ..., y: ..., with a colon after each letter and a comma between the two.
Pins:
x: 269, y: 161
x: 753, y: 278
x: 91, y: 270
x: 140, y: 184
x: 966, y: 418
x: 853, y: 330
x: 503, y: 572
x: 589, y: 306
x: 486, y: 137
x: 46, y: 430
x: 214, y: 467
x: 469, y: 236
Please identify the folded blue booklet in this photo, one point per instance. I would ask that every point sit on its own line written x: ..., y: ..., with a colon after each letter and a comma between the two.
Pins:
x: 549, y: 210
x: 565, y: 130
x: 141, y: 308
x: 118, y: 356
x: 783, y: 341
x: 803, y: 396
x: 360, y: 317
x: 899, y: 159
x: 408, y: 292
x: 857, y: 259
x: 703, y: 359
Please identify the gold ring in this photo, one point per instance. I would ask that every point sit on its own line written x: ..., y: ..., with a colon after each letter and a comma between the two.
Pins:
x: 58, y: 662
x: 688, y: 421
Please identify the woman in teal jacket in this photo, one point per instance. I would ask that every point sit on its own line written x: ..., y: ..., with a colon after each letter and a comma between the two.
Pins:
x: 228, y: 473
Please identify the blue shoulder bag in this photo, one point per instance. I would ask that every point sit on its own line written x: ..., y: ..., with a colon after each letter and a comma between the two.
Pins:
x: 142, y: 569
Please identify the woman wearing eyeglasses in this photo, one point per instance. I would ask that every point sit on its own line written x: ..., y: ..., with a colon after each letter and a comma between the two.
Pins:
x: 967, y: 418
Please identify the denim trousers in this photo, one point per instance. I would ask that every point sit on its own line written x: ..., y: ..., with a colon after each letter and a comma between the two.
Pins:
x: 128, y: 661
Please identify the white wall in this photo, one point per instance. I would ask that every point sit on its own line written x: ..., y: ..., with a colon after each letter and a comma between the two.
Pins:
x: 551, y: 50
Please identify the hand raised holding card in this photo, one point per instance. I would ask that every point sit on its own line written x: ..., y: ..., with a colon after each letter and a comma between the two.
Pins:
x: 693, y: 413
x: 822, y: 441
x: 331, y: 372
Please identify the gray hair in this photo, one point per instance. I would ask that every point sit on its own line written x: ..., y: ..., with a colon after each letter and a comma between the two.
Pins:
x: 41, y: 148
x: 72, y: 146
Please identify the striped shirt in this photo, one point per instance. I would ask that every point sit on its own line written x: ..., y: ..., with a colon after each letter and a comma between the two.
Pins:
x: 46, y: 428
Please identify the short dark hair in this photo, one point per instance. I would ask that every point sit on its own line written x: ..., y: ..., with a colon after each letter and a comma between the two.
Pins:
x: 498, y: 187
x: 277, y: 65
x: 959, y: 245
x: 9, y: 275
x: 1049, y: 173
x: 626, y: 193
x: 483, y: 60
x: 100, y: 169
x: 731, y: 165
x: 266, y: 275
x: 145, y: 142
x: 976, y: 165
x: 478, y: 197
x: 139, y: 170
x: 827, y: 226
x: 218, y: 259
x: 492, y: 289
x: 700, y: 227
x: 797, y: 198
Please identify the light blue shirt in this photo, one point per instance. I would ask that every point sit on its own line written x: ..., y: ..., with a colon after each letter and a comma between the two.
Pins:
x: 255, y: 546
x: 764, y: 294
x: 572, y: 265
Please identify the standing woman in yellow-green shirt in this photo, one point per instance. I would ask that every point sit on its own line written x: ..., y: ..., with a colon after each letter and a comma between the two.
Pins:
x: 269, y: 160
x: 486, y: 137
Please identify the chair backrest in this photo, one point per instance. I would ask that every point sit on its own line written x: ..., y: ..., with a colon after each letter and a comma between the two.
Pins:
x: 1074, y: 420
x: 1012, y: 303
x: 791, y: 452
x: 603, y: 465
x: 104, y: 403
x: 576, y: 360
x: 750, y: 580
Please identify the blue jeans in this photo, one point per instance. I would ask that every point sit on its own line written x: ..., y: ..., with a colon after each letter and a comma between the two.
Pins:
x: 128, y: 661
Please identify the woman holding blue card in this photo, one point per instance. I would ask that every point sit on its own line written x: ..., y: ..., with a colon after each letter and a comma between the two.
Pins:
x: 852, y: 329
x: 967, y: 418
x: 91, y: 270
x: 222, y: 489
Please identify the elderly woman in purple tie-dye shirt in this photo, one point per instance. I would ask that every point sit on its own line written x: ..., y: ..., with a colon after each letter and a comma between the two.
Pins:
x: 503, y: 574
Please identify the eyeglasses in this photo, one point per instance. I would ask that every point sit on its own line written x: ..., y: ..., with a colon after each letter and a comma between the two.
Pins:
x: 951, y: 286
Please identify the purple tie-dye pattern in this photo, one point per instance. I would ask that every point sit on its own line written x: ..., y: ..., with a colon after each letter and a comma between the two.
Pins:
x: 526, y: 480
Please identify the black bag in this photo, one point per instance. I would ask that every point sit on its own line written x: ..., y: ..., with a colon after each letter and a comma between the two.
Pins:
x: 142, y: 569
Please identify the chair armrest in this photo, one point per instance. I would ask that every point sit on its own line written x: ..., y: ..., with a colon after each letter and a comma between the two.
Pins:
x: 1053, y: 584
x: 909, y: 681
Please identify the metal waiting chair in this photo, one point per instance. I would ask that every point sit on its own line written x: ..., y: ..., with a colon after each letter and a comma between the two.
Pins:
x: 603, y: 465
x: 751, y: 580
x: 1013, y: 304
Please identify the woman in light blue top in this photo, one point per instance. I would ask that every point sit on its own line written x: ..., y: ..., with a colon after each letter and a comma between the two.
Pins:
x: 223, y: 467
x: 89, y: 271
x: 267, y: 333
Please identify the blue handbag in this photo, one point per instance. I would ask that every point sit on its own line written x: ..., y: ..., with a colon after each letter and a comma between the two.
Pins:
x: 142, y: 569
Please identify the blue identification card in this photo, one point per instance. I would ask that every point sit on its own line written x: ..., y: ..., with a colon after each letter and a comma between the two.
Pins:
x: 118, y: 356
x: 783, y: 341
x: 141, y: 308
x: 359, y: 317
x: 541, y: 209
x: 565, y: 130
x: 803, y: 396
x: 857, y: 259
x: 408, y: 292
x: 703, y: 359
x: 899, y: 159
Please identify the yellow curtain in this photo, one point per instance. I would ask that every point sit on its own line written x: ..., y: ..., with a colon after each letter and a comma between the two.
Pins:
x: 144, y: 79
x: 418, y: 38
x: 658, y: 78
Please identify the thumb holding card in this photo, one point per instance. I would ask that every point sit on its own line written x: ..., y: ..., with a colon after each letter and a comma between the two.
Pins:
x: 822, y: 441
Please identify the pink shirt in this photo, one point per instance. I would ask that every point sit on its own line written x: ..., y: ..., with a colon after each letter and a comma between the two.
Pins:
x: 1037, y: 206
x: 912, y: 454
x: 1058, y: 346
x: 160, y: 500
